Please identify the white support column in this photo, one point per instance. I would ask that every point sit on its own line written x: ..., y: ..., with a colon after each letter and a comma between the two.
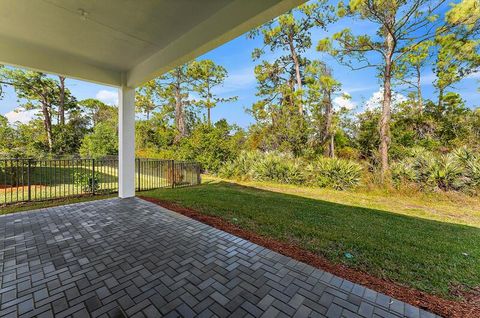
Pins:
x: 126, y: 142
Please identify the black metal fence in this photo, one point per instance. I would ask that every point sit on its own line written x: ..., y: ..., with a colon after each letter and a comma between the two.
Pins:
x: 23, y: 180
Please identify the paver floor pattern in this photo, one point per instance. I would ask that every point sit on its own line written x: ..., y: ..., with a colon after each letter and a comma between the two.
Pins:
x: 131, y: 258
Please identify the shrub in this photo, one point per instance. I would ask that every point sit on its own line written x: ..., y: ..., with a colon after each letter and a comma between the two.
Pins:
x: 334, y: 173
x: 277, y: 167
x: 349, y: 153
x: 470, y: 163
x: 241, y: 166
x: 464, y: 155
x: 456, y: 171
x: 283, y: 168
x: 102, y: 142
x: 404, y: 171
x: 444, y: 173
x: 86, y: 181
x: 473, y: 173
x: 211, y: 145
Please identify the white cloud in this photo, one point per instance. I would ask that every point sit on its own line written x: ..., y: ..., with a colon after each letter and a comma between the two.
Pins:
x: 108, y: 97
x: 236, y: 81
x: 474, y: 75
x: 344, y: 101
x: 356, y: 89
x: 429, y: 78
x: 21, y: 115
x: 375, y: 101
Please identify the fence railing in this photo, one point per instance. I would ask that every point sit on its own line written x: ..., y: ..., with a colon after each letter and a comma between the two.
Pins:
x: 24, y: 180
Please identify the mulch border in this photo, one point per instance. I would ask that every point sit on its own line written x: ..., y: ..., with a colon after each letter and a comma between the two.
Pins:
x: 435, y: 304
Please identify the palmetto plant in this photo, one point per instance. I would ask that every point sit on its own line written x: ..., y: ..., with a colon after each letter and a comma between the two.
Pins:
x: 457, y: 171
x: 277, y: 167
x: 465, y: 155
x: 283, y: 168
x: 469, y: 160
x: 473, y: 173
x: 241, y: 167
x: 334, y: 173
x: 445, y: 173
x: 404, y: 171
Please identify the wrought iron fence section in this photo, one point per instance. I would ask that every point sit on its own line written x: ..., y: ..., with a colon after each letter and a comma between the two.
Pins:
x: 24, y: 180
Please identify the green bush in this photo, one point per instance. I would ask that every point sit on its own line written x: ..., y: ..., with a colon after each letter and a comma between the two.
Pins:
x: 473, y: 173
x: 338, y: 174
x: 283, y: 168
x: 241, y: 166
x: 211, y: 145
x: 86, y: 181
x: 444, y: 173
x: 404, y: 171
x: 456, y: 171
x: 277, y: 167
x: 469, y: 161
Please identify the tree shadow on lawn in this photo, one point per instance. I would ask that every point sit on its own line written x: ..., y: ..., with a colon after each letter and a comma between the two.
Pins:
x: 432, y: 256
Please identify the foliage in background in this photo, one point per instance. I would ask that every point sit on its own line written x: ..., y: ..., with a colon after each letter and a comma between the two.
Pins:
x: 212, y: 145
x: 298, y: 113
x: 334, y: 173
x: 403, y: 27
x: 455, y: 171
x: 102, y: 139
x: 279, y: 167
x: 102, y: 142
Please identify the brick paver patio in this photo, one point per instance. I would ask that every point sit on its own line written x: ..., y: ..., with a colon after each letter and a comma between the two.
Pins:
x: 131, y: 258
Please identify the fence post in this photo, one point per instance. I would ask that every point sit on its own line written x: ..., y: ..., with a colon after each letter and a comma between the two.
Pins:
x: 93, y: 185
x: 139, y: 162
x: 173, y: 174
x: 29, y: 164
x: 199, y: 176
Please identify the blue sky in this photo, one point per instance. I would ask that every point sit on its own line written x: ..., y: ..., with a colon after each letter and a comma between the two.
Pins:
x: 235, y: 56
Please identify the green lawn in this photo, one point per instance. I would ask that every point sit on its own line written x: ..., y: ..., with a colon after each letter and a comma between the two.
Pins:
x: 419, y: 244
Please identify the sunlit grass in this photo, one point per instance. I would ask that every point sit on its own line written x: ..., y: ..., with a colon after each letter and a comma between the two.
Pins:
x: 446, y: 207
x: 419, y: 241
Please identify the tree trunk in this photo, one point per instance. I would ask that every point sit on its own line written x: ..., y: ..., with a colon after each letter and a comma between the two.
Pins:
x: 61, y: 106
x: 209, y: 116
x: 328, y: 129
x: 298, y: 76
x: 331, y: 146
x: 94, y: 117
x: 47, y: 122
x: 179, y: 114
x: 384, y: 125
x: 419, y: 91
x: 440, y: 99
x: 209, y: 107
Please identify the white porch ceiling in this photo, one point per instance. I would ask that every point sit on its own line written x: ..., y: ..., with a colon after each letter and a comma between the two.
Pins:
x: 122, y: 42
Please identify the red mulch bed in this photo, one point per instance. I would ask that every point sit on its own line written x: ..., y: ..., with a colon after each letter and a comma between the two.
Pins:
x: 440, y: 306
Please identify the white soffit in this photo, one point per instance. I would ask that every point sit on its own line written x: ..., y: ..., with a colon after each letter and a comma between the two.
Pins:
x: 123, y: 42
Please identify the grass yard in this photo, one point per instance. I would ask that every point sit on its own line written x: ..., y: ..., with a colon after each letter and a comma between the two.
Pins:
x: 431, y: 243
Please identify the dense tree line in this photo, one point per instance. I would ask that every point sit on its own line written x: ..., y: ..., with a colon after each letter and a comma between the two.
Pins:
x: 295, y: 113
